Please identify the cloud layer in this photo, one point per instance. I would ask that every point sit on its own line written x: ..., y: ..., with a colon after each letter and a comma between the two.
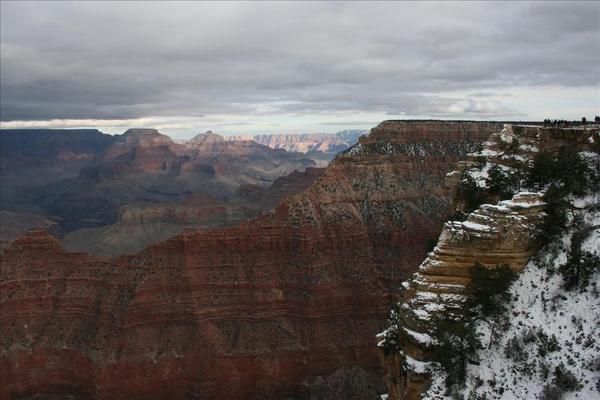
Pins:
x: 127, y: 61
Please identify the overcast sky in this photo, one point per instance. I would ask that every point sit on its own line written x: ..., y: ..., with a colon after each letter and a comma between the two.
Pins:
x: 241, y: 68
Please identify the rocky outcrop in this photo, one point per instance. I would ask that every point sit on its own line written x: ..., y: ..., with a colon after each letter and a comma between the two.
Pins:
x: 503, y: 233
x: 433, y: 131
x: 34, y: 158
x: 303, y: 143
x: 31, y: 159
x: 205, y: 138
x: 493, y: 235
x: 259, y: 310
x: 138, y: 159
x: 243, y: 161
x: 140, y: 139
x: 294, y: 183
x: 57, y: 314
x: 138, y: 150
x: 93, y: 185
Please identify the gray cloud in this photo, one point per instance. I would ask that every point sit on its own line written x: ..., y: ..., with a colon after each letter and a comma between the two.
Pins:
x: 131, y: 60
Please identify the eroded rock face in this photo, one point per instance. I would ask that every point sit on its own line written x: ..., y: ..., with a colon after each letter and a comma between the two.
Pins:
x: 58, y: 313
x: 494, y: 234
x: 259, y: 310
x: 503, y: 234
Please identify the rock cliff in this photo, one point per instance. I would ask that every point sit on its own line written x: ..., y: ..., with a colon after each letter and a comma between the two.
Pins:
x: 495, y: 234
x: 283, y: 305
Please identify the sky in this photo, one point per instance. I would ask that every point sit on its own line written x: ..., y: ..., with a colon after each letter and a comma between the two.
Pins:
x: 290, y: 67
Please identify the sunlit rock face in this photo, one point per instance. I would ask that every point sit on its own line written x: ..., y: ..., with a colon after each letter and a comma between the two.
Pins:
x: 326, y: 143
x: 278, y: 306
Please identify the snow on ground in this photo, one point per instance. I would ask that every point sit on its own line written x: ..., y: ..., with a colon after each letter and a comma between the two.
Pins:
x: 529, y: 147
x: 523, y: 200
x: 513, y: 157
x: 420, y: 337
x: 541, y: 311
x: 486, y: 153
x: 355, y: 150
x: 476, y: 227
x: 506, y: 134
x: 480, y: 175
x: 417, y: 366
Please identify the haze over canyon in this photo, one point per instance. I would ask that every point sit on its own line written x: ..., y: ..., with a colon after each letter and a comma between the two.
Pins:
x: 300, y: 200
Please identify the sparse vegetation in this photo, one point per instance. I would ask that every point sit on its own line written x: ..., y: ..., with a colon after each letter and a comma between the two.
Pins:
x: 431, y: 243
x: 540, y: 352
x: 456, y: 342
x: 556, y: 213
x: 512, y: 148
x: 565, y: 379
x: 566, y: 169
x: 546, y: 344
x: 455, y: 337
x: 551, y: 392
x: 500, y: 183
x: 541, y: 171
x: 470, y: 194
x: 489, y: 289
x: 580, y: 264
x: 389, y: 342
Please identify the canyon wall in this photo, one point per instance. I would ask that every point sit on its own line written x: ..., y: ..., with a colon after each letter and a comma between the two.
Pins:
x: 501, y: 233
x: 493, y: 235
x: 282, y: 305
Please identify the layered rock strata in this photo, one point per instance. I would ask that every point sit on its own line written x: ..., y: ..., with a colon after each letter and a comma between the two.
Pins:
x: 493, y: 235
x: 259, y: 310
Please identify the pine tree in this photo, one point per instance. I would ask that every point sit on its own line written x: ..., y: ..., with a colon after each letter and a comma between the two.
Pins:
x: 455, y: 344
x: 489, y: 288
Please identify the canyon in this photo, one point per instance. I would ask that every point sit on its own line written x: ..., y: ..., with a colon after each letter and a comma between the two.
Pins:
x: 113, y: 195
x: 285, y: 305
x: 326, y: 145
x: 264, y: 200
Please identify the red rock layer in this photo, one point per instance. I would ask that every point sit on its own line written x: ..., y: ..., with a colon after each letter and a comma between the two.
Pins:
x: 254, y: 311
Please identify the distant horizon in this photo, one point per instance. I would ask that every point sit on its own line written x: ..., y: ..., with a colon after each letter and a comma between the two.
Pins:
x: 180, y: 132
x: 188, y: 134
x: 181, y: 135
x: 241, y: 68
